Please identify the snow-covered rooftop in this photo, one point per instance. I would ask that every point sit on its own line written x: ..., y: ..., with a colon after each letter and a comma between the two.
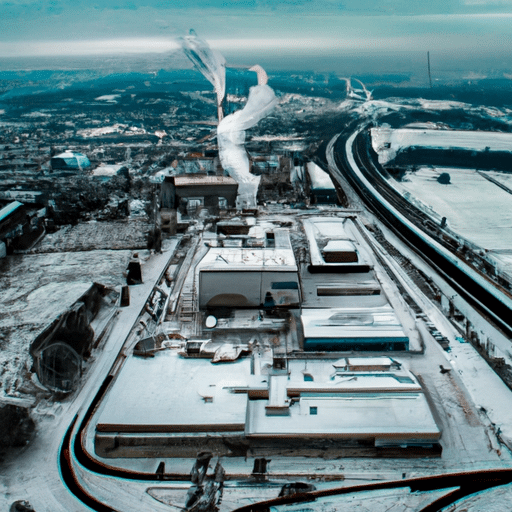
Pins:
x: 183, y: 181
x: 105, y: 170
x: 333, y: 230
x: 70, y: 160
x: 398, y: 416
x: 279, y: 257
x: 320, y: 180
x: 387, y: 142
x: 352, y: 323
x: 339, y: 246
x: 176, y: 393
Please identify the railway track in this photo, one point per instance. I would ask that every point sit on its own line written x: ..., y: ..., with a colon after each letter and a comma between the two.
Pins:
x: 415, y: 229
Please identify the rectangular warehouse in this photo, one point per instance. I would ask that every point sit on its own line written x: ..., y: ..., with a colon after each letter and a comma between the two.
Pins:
x: 250, y: 277
x: 368, y: 329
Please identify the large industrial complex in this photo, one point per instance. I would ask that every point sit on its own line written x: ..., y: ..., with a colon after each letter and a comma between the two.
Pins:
x: 213, y: 311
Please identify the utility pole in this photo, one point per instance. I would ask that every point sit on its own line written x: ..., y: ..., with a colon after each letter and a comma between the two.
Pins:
x: 428, y: 65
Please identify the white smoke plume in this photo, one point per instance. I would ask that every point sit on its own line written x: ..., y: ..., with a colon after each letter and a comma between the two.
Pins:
x: 231, y: 138
x: 231, y: 129
x: 211, y: 63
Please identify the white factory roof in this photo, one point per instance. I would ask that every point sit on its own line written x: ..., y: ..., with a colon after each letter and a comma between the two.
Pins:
x: 70, y: 159
x: 280, y: 257
x: 339, y: 246
x: 338, y: 231
x: 334, y: 323
x: 169, y: 393
x: 177, y: 393
x: 396, y: 415
x: 190, y: 179
x: 361, y: 284
x: 107, y: 170
x: 330, y: 227
x: 319, y: 178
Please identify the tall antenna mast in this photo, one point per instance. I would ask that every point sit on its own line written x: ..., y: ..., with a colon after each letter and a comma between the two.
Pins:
x: 428, y: 64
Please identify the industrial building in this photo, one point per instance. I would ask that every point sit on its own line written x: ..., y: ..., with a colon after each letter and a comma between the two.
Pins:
x: 340, y: 400
x: 271, y: 354
x: 189, y: 192
x: 261, y: 271
x: 20, y: 226
x: 321, y: 187
x: 345, y: 306
x: 12, y: 220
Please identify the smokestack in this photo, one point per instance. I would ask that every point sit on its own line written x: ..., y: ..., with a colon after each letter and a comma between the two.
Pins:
x: 220, y: 110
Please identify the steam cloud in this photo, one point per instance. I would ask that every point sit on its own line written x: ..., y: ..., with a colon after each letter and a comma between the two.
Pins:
x: 211, y: 63
x: 231, y: 129
x: 231, y: 138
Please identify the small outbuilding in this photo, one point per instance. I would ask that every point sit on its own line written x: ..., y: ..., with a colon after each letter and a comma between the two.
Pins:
x: 70, y: 160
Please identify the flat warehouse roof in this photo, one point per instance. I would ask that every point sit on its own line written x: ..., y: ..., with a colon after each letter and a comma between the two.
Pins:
x: 403, y: 415
x: 334, y: 231
x: 319, y: 290
x: 319, y: 178
x: 227, y: 258
x: 280, y: 257
x: 379, y: 322
x: 182, y: 181
x: 170, y: 393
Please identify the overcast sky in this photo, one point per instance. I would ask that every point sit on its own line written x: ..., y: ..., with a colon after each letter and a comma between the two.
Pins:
x: 66, y: 27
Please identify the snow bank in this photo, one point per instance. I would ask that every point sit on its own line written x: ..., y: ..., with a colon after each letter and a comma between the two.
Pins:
x: 388, y: 142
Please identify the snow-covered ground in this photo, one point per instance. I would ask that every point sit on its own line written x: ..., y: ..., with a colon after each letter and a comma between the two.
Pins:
x: 110, y: 98
x: 36, y: 289
x: 497, y: 499
x: 474, y: 207
x: 502, y: 177
x: 116, y: 128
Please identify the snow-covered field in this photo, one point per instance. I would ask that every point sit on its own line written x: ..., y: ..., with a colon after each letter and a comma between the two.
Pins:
x: 474, y: 207
x: 34, y: 290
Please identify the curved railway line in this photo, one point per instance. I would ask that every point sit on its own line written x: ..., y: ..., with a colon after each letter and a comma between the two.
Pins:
x: 490, y: 300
